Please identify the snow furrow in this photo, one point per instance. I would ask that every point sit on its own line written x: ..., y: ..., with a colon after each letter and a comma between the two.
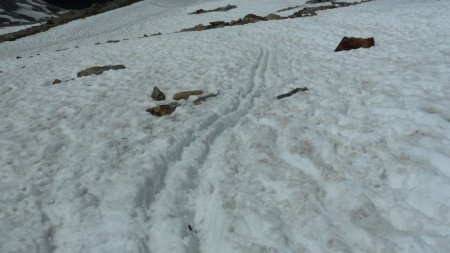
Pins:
x: 172, y: 213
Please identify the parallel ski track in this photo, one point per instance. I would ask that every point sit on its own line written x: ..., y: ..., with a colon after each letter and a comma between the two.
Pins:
x: 196, y: 147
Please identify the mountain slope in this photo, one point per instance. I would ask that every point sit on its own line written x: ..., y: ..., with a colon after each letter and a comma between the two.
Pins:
x: 359, y: 163
x: 26, y: 11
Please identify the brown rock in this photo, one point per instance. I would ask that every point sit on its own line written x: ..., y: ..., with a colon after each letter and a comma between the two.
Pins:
x: 218, y: 23
x: 349, y: 43
x: 97, y: 70
x: 204, y: 98
x: 272, y: 16
x: 186, y: 94
x: 252, y: 18
x: 57, y: 81
x: 162, y: 110
x: 158, y: 95
x: 199, y: 27
x: 236, y: 22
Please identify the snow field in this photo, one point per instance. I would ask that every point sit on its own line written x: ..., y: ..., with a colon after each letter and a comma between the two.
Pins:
x: 360, y: 163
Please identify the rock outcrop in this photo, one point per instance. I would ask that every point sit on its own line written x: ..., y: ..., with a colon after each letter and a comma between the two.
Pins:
x: 349, y: 43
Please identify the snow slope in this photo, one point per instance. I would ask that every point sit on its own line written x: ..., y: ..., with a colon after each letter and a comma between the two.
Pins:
x: 359, y: 163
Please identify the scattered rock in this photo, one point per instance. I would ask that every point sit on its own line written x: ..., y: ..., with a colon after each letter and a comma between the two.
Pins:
x: 97, y: 70
x: 158, y: 95
x: 57, y: 81
x: 156, y: 34
x: 272, y: 16
x: 292, y: 92
x: 113, y: 41
x: 18, y: 57
x: 204, y: 98
x: 252, y: 18
x: 186, y: 94
x: 162, y: 110
x: 349, y: 43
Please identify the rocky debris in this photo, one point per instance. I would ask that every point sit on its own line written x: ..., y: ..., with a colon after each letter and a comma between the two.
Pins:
x: 18, y: 57
x: 349, y: 43
x: 66, y: 18
x: 224, y: 8
x: 204, y: 98
x: 157, y: 94
x: 113, y: 41
x: 292, y: 92
x: 161, y: 110
x: 98, y: 70
x: 252, y: 18
x: 57, y: 81
x: 186, y: 94
x: 248, y: 19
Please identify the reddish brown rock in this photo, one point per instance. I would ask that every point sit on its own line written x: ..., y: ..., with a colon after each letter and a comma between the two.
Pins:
x: 349, y: 43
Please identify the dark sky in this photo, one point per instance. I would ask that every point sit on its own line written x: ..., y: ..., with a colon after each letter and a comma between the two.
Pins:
x: 75, y: 4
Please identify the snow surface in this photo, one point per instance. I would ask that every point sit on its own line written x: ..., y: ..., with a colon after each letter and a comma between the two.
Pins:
x: 359, y: 163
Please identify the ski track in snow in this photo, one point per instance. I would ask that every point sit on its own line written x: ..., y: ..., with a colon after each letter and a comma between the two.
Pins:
x: 360, y: 163
x: 184, y: 177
